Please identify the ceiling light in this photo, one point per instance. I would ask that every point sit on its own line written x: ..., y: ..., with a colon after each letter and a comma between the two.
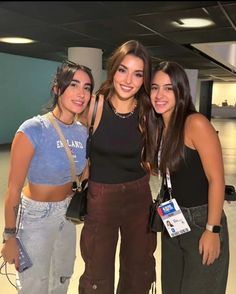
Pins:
x: 16, y: 40
x: 193, y: 22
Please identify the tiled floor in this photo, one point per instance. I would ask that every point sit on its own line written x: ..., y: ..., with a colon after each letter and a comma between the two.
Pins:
x: 227, y: 134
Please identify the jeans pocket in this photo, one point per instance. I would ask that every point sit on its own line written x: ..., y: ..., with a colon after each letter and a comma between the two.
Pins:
x: 199, y: 217
x: 35, y: 213
x: 200, y: 222
x: 94, y: 191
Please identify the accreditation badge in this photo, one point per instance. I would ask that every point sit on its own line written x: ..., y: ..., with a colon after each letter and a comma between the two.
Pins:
x: 173, y: 218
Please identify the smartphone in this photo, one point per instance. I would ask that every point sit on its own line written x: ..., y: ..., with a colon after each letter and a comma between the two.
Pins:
x: 24, y: 259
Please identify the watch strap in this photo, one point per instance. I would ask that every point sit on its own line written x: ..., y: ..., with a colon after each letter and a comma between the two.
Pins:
x: 213, y: 228
x: 7, y: 236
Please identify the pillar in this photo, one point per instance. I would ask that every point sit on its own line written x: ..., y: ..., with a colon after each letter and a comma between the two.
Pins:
x: 206, y: 98
x: 90, y: 57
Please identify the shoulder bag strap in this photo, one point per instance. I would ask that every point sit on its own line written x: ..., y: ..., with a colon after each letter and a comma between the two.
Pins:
x: 76, y: 182
x: 88, y: 145
x: 66, y: 147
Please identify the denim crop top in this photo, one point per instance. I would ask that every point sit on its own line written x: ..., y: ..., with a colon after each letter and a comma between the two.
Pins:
x: 50, y: 164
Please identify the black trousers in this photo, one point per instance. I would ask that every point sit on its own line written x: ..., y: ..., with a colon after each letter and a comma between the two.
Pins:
x: 113, y: 208
x: 182, y: 268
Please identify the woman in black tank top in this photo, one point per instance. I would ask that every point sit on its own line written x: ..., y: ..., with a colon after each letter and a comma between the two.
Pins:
x: 197, y: 261
x: 119, y: 195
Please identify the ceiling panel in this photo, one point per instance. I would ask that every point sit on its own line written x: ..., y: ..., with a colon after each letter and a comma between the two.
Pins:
x: 106, y: 24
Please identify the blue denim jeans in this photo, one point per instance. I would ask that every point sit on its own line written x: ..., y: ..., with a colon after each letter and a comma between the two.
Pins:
x: 50, y: 241
x: 182, y: 269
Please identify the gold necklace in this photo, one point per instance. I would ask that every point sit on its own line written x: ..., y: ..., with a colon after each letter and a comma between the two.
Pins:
x: 126, y: 115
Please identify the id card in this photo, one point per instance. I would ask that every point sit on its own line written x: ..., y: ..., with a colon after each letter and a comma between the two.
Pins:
x: 173, y: 218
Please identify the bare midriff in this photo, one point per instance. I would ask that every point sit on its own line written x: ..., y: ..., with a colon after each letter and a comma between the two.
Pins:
x: 46, y: 193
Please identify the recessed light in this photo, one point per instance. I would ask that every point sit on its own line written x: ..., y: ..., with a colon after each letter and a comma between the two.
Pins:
x: 16, y: 40
x: 192, y: 22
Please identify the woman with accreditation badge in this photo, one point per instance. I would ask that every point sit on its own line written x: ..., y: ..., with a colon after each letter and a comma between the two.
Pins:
x: 195, y: 255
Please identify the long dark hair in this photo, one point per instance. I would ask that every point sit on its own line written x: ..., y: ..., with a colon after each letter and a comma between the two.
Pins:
x: 172, y: 150
x: 132, y: 47
x: 63, y: 78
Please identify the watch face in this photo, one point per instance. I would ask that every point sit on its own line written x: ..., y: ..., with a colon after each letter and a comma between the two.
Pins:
x: 216, y: 229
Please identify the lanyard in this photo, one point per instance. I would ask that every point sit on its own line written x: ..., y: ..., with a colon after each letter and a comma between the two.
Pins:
x: 159, y: 159
x: 168, y: 182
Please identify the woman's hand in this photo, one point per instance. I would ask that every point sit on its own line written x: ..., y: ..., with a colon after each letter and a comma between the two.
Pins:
x: 10, y: 252
x: 209, y: 247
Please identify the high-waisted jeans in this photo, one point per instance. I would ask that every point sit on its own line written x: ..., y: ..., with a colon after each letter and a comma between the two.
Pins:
x: 50, y: 241
x: 113, y: 208
x: 182, y: 268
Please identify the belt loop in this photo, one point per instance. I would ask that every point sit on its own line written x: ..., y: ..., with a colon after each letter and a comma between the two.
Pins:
x: 187, y: 213
x: 190, y: 214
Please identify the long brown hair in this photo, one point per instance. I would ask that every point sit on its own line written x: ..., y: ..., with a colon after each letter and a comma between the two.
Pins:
x: 172, y: 150
x: 132, y: 47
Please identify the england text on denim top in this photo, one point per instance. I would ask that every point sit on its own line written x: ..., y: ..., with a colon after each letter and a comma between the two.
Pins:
x: 50, y: 164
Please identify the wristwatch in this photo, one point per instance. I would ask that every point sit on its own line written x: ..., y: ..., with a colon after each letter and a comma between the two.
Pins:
x: 213, y: 228
x: 8, y: 233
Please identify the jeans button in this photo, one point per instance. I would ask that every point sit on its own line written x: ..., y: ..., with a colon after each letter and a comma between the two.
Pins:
x: 94, y: 287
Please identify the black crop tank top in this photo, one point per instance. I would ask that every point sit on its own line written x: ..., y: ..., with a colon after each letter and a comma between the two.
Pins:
x: 189, y: 182
x: 116, y: 149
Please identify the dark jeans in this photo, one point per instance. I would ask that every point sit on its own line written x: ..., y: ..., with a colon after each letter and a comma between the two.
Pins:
x: 113, y: 208
x: 182, y: 269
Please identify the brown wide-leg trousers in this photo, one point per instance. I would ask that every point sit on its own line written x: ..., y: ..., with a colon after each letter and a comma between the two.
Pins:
x: 113, y: 208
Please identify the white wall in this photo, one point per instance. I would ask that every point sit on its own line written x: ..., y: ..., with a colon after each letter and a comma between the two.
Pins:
x: 224, y: 91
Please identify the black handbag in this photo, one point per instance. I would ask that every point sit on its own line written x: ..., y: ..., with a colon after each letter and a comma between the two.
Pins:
x: 155, y: 221
x: 77, y: 208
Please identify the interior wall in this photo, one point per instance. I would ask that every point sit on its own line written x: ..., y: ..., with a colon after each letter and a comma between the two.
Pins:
x: 222, y: 92
x: 24, y: 89
x: 193, y: 80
